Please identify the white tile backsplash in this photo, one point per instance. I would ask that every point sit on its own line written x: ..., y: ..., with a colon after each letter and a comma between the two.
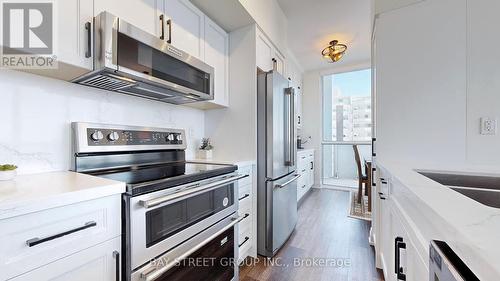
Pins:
x: 36, y: 112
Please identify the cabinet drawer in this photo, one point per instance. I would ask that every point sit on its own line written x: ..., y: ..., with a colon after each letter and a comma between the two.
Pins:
x: 95, y: 263
x: 245, y: 205
x: 245, y: 191
x: 245, y: 227
x: 36, y: 239
x: 246, y: 170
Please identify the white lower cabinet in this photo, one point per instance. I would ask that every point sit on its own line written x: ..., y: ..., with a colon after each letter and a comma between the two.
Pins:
x: 398, y: 251
x: 72, y: 242
x: 100, y: 262
x: 305, y: 168
x: 247, y: 227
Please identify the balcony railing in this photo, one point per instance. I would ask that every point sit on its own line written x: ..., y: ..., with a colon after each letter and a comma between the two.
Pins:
x: 339, y: 164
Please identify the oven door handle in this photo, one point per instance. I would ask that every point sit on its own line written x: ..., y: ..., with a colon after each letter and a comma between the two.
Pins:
x: 192, y: 191
x: 156, y: 273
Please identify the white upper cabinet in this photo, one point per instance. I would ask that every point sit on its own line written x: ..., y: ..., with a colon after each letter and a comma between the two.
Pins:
x: 74, y: 32
x: 264, y: 52
x: 216, y: 54
x: 144, y: 14
x: 382, y: 6
x: 268, y: 56
x: 279, y: 62
x: 187, y: 26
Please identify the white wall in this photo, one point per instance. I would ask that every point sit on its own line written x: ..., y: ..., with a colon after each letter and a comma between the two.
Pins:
x: 421, y: 83
x: 271, y: 19
x: 36, y: 112
x: 234, y: 130
x: 483, y: 92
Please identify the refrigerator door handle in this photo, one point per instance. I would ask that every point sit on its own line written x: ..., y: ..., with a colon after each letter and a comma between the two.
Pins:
x: 293, y: 145
x: 289, y: 127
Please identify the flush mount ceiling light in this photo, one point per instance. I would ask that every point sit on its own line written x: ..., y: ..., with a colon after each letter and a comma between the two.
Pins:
x: 334, y: 52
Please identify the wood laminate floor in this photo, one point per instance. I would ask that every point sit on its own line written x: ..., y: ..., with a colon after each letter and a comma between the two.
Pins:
x: 323, y: 232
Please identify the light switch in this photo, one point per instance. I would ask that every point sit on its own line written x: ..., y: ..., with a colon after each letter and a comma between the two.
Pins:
x: 488, y: 126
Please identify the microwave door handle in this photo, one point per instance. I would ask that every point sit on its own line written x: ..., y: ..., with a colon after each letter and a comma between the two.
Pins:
x: 154, y: 274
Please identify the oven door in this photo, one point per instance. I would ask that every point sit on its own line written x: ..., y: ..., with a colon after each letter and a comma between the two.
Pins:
x: 160, y: 221
x: 210, y: 255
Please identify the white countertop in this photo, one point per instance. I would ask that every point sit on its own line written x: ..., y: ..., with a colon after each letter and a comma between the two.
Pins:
x: 470, y: 228
x: 239, y: 163
x: 304, y: 150
x: 35, y: 192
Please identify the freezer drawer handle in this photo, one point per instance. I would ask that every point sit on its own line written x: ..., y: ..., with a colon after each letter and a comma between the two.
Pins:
x: 287, y: 182
x: 35, y: 241
x: 193, y: 191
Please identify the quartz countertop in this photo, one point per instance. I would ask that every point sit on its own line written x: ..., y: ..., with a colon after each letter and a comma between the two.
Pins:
x: 470, y: 228
x: 35, y: 192
x: 239, y: 163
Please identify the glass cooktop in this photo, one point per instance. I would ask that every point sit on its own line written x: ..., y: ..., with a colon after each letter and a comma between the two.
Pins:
x: 144, y: 179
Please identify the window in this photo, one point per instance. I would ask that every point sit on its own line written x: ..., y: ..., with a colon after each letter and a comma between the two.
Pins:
x: 347, y: 106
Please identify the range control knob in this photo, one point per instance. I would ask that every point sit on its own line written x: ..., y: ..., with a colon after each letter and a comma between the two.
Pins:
x: 178, y: 137
x: 97, y: 136
x: 113, y: 136
x: 170, y: 137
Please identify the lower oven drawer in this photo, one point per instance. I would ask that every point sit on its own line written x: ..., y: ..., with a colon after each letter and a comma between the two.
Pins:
x: 209, y: 255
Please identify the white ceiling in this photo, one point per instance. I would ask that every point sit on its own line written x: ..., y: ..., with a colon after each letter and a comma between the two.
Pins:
x: 314, y: 23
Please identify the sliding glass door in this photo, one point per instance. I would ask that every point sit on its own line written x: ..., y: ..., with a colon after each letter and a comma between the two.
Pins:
x: 347, y: 122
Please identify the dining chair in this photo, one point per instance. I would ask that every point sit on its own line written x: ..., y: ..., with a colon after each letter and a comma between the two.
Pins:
x: 362, y: 178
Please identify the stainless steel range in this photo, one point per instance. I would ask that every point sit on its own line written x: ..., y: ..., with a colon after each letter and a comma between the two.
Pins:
x: 176, y: 213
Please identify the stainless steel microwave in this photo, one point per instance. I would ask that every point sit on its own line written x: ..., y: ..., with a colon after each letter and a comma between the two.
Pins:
x: 132, y: 61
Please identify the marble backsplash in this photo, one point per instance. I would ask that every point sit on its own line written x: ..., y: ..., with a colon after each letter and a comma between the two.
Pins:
x: 36, y: 113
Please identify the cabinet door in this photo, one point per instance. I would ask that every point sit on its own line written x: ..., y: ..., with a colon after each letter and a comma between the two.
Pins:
x: 298, y: 107
x: 187, y: 24
x: 73, y: 37
x: 100, y: 262
x: 386, y: 240
x: 144, y: 14
x: 280, y: 62
x: 216, y: 55
x: 264, y: 53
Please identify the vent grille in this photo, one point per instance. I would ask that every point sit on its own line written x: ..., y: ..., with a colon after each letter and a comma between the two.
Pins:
x: 106, y: 82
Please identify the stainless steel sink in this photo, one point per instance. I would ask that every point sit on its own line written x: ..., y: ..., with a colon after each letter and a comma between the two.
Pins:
x: 483, y: 189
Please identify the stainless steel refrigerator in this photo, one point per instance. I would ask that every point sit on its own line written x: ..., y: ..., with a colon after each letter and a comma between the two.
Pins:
x: 276, y: 162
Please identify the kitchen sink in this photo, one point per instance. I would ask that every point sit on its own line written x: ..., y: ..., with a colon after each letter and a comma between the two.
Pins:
x: 483, y: 189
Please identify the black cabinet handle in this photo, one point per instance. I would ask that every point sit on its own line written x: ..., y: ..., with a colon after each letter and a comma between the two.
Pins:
x: 35, y: 241
x: 299, y: 119
x: 275, y: 64
x: 244, y: 217
x: 245, y: 196
x: 374, y: 154
x: 88, y: 28
x: 312, y: 165
x: 116, y: 255
x: 244, y: 241
x: 399, y: 244
x: 381, y: 197
x: 169, y: 23
x: 162, y: 22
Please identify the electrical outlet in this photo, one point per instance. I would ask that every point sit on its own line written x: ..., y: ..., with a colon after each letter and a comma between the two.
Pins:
x: 488, y: 126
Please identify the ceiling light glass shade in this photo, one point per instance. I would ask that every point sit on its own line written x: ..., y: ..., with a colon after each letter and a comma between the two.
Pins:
x: 334, y: 52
